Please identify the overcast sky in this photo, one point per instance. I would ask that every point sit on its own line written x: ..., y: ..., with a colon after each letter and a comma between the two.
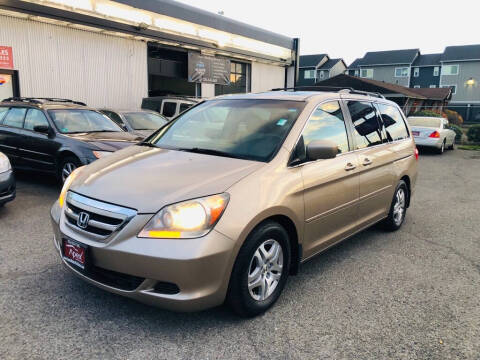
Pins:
x: 349, y: 28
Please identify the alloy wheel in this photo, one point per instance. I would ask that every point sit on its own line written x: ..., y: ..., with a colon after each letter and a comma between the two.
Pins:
x: 265, y: 270
x: 67, y: 169
x: 399, y: 207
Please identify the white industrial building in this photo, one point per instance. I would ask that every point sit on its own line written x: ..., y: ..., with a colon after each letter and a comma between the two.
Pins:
x: 114, y: 53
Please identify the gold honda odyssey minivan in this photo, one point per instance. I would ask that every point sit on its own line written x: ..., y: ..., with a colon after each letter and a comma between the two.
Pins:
x: 228, y: 199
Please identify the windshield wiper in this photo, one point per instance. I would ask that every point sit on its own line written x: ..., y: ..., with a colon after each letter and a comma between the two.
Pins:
x: 212, y: 152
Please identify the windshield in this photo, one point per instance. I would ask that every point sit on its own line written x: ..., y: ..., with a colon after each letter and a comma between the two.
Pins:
x: 249, y: 129
x: 425, y: 122
x: 69, y: 121
x: 145, y: 120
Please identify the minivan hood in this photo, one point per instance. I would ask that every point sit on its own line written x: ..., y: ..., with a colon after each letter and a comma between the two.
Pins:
x: 108, y: 141
x: 147, y: 179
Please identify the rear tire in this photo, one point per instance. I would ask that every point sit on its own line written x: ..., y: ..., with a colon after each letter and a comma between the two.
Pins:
x: 441, y: 149
x: 398, y: 208
x: 66, y: 167
x: 260, y: 271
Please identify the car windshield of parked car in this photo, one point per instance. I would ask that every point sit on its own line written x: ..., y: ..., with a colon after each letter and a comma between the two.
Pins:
x: 250, y: 129
x: 425, y: 122
x: 145, y: 120
x: 69, y: 121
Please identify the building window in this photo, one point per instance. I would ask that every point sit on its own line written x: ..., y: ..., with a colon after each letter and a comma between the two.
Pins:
x: 401, y: 72
x: 366, y: 73
x: 321, y: 74
x: 309, y: 74
x: 416, y: 72
x: 416, y: 87
x: 453, y: 87
x: 450, y: 70
x: 433, y: 86
x: 436, y: 70
x: 239, y: 80
x: 356, y: 73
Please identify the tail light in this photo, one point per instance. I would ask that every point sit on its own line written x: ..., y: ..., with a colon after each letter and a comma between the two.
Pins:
x: 416, y: 154
x: 435, y: 134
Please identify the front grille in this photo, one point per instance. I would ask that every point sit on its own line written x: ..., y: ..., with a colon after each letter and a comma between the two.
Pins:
x: 114, y: 279
x: 102, y: 219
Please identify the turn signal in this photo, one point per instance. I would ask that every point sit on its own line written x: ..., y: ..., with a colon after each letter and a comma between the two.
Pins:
x: 435, y: 134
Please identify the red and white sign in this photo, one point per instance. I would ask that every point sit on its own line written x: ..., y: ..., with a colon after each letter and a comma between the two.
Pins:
x: 6, y: 57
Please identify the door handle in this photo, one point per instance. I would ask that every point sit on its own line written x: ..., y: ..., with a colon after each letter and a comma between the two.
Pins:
x: 366, y: 162
x: 350, y: 166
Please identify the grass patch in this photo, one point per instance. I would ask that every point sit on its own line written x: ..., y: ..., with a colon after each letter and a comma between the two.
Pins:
x: 469, y: 147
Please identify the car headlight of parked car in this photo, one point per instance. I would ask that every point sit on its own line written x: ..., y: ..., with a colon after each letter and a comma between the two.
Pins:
x: 100, y: 154
x: 66, y: 185
x: 187, y: 219
x: 4, y: 163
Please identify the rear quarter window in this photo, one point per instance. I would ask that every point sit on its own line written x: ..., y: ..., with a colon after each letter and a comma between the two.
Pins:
x: 393, y: 121
x: 3, y: 111
x: 169, y: 108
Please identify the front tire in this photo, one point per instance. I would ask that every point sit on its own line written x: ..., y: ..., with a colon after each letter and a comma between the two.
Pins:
x: 398, y: 208
x: 452, y: 147
x: 67, y: 165
x: 260, y: 271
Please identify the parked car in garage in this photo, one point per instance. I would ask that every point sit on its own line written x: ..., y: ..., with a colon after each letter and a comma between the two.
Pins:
x: 168, y: 106
x: 228, y: 210
x: 432, y: 132
x: 7, y: 181
x: 139, y: 122
x: 57, y: 135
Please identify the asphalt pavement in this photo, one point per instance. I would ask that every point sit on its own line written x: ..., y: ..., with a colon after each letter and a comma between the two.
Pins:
x: 412, y: 294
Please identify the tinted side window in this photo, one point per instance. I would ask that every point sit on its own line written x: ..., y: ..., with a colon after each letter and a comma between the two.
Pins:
x: 14, y: 117
x: 169, y: 109
x: 367, y: 125
x: 114, y: 117
x: 184, y: 106
x: 3, y: 111
x: 326, y: 123
x: 394, y: 125
x: 34, y: 117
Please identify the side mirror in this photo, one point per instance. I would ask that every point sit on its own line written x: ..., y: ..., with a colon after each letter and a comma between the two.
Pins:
x: 321, y: 149
x: 42, y: 129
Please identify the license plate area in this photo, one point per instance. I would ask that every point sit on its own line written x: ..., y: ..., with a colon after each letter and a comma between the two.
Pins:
x: 75, y: 253
x: 416, y: 133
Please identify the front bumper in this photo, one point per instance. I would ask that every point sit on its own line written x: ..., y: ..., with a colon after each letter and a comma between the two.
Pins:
x: 428, y: 142
x: 198, y: 268
x: 7, y: 187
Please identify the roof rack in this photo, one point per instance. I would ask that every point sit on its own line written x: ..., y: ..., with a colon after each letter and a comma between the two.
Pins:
x: 41, y: 100
x: 339, y: 89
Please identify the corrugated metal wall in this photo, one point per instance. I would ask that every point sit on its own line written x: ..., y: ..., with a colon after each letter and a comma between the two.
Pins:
x: 58, y: 61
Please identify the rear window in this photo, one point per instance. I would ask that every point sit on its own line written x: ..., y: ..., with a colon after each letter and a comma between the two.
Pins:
x: 425, y: 122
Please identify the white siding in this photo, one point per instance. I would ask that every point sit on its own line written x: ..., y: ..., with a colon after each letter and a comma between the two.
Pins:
x: 266, y: 77
x: 58, y: 61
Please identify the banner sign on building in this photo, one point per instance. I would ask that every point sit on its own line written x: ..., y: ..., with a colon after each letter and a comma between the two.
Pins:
x: 208, y: 69
x: 6, y: 57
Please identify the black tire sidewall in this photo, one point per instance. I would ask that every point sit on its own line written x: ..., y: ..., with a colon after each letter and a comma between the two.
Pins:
x: 239, y: 296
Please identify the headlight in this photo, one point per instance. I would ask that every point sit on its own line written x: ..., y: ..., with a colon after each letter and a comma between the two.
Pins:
x: 66, y: 185
x: 4, y: 163
x: 100, y: 154
x: 186, y: 220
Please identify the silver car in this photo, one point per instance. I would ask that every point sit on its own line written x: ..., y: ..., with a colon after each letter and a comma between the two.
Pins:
x: 433, y: 132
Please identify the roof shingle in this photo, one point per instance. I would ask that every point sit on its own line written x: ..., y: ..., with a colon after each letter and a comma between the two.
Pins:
x: 465, y: 52
x: 427, y: 60
x: 311, y: 60
x: 389, y: 57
